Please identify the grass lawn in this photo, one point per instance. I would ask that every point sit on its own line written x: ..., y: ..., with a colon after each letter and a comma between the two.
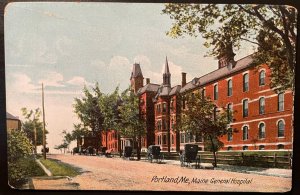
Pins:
x: 59, y: 168
x: 23, y: 168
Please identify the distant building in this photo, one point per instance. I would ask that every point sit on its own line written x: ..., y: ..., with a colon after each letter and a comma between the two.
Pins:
x: 12, y: 122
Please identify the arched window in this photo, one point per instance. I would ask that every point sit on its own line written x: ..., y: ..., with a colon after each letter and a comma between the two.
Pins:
x: 281, y: 128
x: 261, y: 131
x: 215, y: 112
x: 262, y: 76
x: 203, y: 93
x: 216, y: 92
x: 280, y: 146
x: 245, y: 147
x: 229, y: 148
x: 229, y: 112
x: 246, y: 82
x: 261, y: 105
x: 245, y: 132
x: 229, y: 87
x: 164, y: 139
x: 229, y: 134
x: 261, y: 147
x: 245, y: 108
x: 280, y: 101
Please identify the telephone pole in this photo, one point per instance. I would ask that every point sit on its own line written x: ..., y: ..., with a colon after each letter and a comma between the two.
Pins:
x: 44, y: 133
x: 35, y: 136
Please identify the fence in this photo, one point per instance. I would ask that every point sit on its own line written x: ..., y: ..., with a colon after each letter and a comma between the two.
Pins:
x: 252, y: 159
x: 282, y: 159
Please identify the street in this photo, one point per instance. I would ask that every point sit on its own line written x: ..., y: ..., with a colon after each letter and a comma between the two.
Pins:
x: 100, y: 173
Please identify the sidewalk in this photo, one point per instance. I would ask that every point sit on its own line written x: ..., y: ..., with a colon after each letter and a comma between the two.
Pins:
x: 286, y: 173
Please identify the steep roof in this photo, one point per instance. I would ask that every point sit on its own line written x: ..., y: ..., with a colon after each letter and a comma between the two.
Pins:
x: 136, y: 71
x: 225, y: 71
x: 10, y: 116
x: 164, y: 91
x: 150, y: 87
x: 190, y: 85
x: 175, y: 89
x: 219, y: 73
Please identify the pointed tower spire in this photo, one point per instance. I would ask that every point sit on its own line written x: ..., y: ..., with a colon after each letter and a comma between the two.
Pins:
x: 167, y: 74
x: 167, y: 66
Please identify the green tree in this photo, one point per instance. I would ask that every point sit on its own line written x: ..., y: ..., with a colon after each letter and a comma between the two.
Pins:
x: 67, y: 139
x: 269, y: 28
x: 109, y: 104
x: 202, y: 118
x: 132, y: 125
x: 88, y: 110
x: 33, y: 124
x: 78, y: 132
x: 18, y: 148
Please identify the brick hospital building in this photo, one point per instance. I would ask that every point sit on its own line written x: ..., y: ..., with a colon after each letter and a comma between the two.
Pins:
x: 262, y: 117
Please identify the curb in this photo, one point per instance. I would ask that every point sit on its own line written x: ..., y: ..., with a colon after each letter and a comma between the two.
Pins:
x: 43, y: 167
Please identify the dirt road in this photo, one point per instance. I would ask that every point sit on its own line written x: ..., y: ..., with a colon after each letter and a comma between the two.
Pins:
x: 100, y: 173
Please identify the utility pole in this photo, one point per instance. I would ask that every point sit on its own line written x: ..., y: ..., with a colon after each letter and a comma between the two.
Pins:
x: 35, y: 137
x: 44, y: 134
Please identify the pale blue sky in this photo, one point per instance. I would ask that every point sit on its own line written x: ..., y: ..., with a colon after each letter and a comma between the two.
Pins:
x: 67, y: 45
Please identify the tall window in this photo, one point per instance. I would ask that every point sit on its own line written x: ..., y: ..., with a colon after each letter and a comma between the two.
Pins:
x: 216, y: 92
x: 281, y: 128
x: 262, y: 131
x: 181, y: 137
x: 262, y: 76
x: 164, y: 139
x: 164, y: 126
x: 229, y: 87
x: 215, y: 112
x: 245, y: 108
x: 203, y: 93
x: 229, y: 135
x: 183, y: 103
x: 261, y: 105
x: 164, y: 107
x: 281, y: 102
x: 246, y: 82
x: 229, y: 112
x: 245, y: 132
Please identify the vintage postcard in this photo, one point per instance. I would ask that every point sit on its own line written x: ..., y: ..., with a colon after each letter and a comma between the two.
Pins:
x: 150, y: 96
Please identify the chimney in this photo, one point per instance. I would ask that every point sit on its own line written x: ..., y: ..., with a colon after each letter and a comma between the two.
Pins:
x: 226, y: 58
x: 183, y: 79
x: 147, y: 81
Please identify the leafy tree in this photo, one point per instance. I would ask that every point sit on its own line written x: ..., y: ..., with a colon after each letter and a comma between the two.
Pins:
x: 88, y: 110
x: 200, y: 117
x: 19, y: 147
x: 67, y: 139
x: 269, y: 28
x: 132, y: 125
x: 31, y: 124
x: 109, y: 104
x: 78, y: 132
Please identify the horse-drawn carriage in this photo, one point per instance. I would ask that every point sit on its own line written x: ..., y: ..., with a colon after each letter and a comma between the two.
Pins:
x: 127, y: 152
x: 154, y: 153
x: 189, y: 155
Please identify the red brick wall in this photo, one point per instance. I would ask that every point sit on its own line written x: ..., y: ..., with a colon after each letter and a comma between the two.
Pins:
x: 270, y: 118
x: 112, y: 140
